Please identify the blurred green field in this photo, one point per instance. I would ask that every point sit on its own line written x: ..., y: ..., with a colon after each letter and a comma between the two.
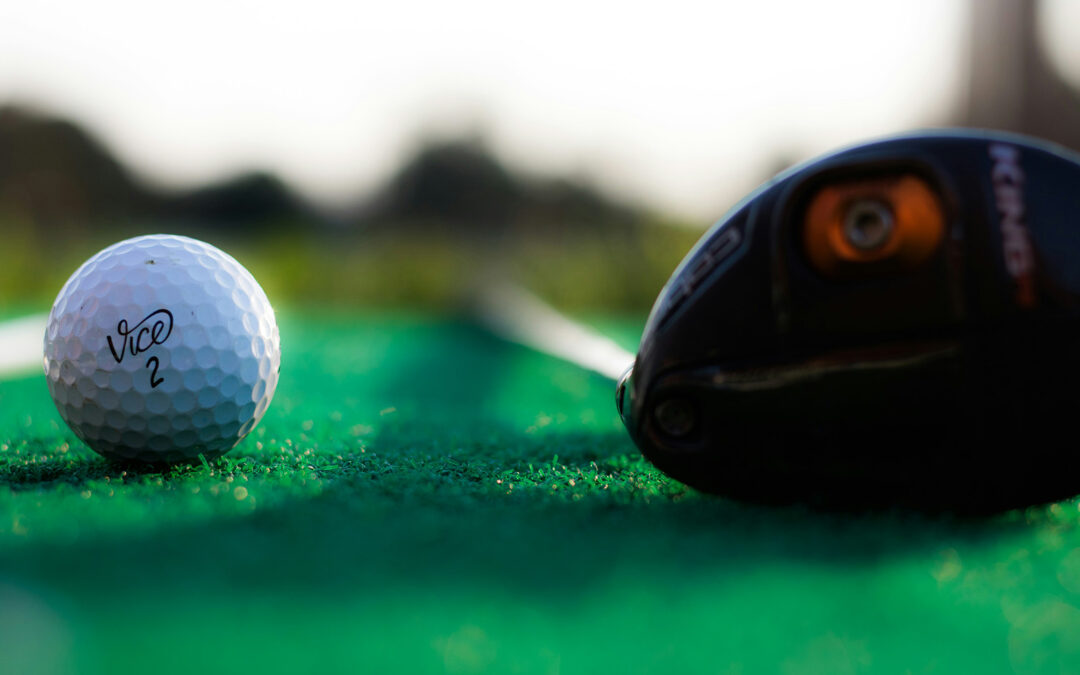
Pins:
x: 434, y: 270
x: 423, y: 497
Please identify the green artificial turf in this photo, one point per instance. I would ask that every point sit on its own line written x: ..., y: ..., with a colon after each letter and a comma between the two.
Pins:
x: 423, y: 497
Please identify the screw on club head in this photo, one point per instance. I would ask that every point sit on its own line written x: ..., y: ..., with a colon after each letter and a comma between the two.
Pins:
x: 868, y: 224
x: 675, y: 417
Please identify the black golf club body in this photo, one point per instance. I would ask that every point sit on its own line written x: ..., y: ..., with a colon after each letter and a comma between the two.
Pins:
x: 895, y: 324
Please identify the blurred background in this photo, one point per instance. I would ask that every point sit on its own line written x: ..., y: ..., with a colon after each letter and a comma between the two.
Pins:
x: 392, y: 154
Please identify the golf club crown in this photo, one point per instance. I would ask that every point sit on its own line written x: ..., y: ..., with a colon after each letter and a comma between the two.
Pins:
x: 892, y: 324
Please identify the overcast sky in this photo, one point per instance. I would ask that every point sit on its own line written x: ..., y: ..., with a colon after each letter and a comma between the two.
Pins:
x: 679, y: 104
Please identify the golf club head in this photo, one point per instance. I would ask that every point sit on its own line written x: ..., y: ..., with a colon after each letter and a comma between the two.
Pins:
x: 895, y: 324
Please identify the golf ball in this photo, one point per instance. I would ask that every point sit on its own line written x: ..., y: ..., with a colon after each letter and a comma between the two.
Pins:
x: 160, y: 349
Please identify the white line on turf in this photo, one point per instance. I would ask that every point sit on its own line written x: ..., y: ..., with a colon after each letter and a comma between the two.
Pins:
x: 20, y: 344
x: 516, y: 315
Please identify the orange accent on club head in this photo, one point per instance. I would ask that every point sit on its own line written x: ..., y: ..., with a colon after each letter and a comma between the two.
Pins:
x: 915, y: 229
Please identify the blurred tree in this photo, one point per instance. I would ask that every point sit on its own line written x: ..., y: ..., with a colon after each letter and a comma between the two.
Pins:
x: 457, y: 183
x: 53, y: 173
x: 56, y: 176
x: 462, y: 186
x: 571, y: 205
x: 255, y: 199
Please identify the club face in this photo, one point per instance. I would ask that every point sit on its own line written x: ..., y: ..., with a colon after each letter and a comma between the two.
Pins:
x: 893, y: 324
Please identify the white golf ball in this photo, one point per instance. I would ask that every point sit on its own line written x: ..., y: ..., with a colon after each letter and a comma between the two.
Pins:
x: 160, y: 349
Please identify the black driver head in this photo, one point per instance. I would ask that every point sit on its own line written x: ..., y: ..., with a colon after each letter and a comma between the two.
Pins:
x: 895, y: 324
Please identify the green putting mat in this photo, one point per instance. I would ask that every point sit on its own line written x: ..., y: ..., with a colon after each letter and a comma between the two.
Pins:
x: 423, y: 497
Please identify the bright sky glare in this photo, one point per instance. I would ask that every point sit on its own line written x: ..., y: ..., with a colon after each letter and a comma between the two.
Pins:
x: 1059, y: 24
x: 684, y: 105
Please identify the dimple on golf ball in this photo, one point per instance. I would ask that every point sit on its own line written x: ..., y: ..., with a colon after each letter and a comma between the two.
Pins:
x: 160, y: 349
